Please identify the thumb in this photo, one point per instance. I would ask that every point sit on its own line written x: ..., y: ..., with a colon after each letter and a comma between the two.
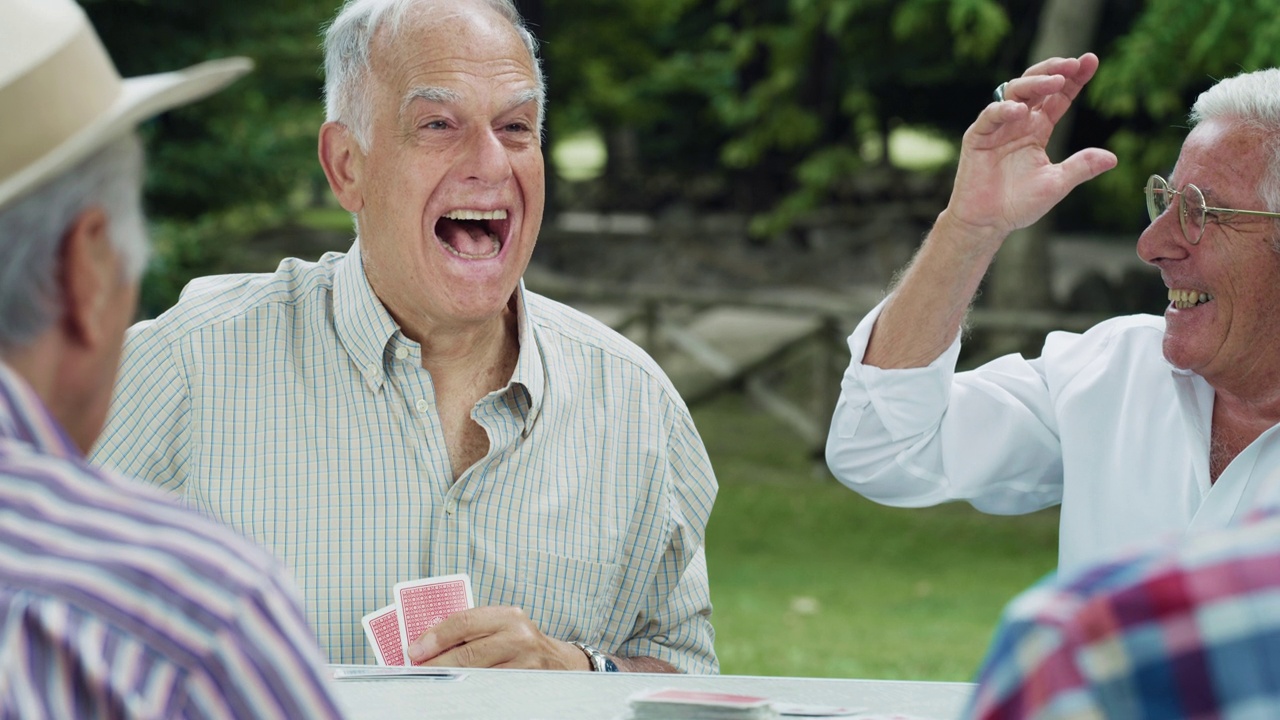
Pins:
x: 1086, y: 165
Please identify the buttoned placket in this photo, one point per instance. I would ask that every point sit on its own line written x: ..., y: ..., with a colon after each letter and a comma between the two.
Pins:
x: 449, y: 528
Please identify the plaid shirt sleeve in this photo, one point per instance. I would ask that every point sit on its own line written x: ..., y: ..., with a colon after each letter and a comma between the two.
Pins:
x: 1031, y: 670
x: 1191, y: 630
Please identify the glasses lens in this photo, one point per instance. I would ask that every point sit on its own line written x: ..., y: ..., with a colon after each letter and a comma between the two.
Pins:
x: 1193, y: 213
x: 1158, y: 197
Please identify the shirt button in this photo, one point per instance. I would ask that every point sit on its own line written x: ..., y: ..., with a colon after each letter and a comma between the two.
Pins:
x: 451, y: 507
x: 422, y: 406
x: 402, y: 353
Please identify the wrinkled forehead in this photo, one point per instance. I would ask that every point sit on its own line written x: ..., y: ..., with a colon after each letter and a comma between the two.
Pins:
x: 1225, y: 155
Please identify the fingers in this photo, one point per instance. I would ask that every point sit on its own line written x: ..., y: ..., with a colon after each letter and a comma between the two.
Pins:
x: 461, y: 627
x: 492, y: 637
x: 1085, y: 165
x: 1033, y: 90
x: 484, y: 652
x: 992, y: 119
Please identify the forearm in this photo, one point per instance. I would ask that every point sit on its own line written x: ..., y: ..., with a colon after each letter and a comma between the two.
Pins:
x: 644, y: 664
x: 920, y: 320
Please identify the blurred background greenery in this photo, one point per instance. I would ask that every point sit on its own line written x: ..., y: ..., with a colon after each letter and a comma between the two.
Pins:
x: 774, y: 109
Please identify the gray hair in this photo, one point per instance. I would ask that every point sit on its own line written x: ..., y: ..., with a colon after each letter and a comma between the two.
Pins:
x: 32, y: 229
x: 1251, y: 99
x: 347, y: 44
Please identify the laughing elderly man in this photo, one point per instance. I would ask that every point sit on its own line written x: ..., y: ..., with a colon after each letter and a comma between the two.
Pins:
x: 408, y: 409
x: 1141, y: 427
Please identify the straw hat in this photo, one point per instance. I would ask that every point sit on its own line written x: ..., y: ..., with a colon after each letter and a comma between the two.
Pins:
x: 61, y: 97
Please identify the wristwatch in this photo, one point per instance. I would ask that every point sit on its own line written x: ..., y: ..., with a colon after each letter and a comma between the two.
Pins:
x: 599, y: 661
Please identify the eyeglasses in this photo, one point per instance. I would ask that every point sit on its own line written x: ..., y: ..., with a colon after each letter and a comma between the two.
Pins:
x: 1192, y: 212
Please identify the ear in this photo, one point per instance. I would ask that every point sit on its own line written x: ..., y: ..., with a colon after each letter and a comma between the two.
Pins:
x: 342, y: 160
x: 88, y: 272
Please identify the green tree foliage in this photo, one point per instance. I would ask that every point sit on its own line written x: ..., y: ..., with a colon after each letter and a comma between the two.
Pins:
x: 224, y: 166
x: 1175, y: 50
x: 776, y: 98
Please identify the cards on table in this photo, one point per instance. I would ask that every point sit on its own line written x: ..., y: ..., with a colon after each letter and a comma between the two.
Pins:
x: 671, y: 704
x: 419, y: 606
x: 697, y: 705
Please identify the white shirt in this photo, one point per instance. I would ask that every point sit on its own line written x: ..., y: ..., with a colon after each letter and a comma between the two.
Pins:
x: 1100, y: 423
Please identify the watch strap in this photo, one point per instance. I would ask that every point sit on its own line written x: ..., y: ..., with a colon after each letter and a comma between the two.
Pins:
x: 599, y: 661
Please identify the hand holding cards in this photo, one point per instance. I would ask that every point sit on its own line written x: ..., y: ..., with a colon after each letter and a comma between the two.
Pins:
x: 419, y: 606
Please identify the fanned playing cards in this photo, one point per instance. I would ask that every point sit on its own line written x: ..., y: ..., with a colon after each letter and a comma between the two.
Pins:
x: 419, y: 606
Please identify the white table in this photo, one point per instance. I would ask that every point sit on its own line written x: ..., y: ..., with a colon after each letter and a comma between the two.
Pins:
x: 533, y: 695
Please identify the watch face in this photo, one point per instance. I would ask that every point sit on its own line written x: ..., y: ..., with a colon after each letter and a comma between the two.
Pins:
x: 609, y: 664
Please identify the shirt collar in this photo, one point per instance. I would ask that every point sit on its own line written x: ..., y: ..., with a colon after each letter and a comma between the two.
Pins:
x: 363, y: 324
x: 365, y: 328
x: 531, y: 370
x: 24, y: 417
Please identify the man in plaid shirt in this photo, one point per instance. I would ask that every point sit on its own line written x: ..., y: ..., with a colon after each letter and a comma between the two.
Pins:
x: 1183, y: 633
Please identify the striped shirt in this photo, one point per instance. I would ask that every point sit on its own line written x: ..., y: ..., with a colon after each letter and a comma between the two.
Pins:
x: 290, y: 406
x: 115, y: 603
x: 1189, y: 630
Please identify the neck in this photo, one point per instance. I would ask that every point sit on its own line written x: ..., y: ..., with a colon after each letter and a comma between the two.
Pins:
x: 446, y: 349
x: 50, y: 369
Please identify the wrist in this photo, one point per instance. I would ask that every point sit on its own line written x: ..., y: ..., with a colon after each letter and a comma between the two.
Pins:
x: 964, y: 238
x: 596, y: 660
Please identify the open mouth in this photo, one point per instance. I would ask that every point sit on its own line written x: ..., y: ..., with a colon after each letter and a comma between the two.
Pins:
x: 1183, y: 299
x: 473, y: 234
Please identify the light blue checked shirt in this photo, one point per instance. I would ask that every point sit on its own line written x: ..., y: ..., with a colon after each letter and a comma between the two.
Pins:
x: 291, y: 407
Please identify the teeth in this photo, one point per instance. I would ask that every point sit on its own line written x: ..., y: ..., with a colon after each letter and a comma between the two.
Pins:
x: 476, y: 215
x: 1183, y: 299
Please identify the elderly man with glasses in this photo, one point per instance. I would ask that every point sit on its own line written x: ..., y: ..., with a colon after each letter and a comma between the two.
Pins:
x: 1142, y: 426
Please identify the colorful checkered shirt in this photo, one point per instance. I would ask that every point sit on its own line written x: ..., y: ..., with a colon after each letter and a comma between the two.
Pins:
x: 116, y: 603
x: 290, y: 406
x: 1190, y: 630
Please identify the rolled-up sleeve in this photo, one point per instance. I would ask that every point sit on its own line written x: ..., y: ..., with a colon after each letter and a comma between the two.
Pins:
x: 922, y: 436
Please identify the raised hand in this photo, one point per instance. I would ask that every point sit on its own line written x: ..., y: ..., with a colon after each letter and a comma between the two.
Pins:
x: 1005, y: 180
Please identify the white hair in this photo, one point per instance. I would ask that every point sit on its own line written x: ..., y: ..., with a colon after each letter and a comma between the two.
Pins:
x: 1253, y: 100
x: 347, y: 47
x: 32, y: 230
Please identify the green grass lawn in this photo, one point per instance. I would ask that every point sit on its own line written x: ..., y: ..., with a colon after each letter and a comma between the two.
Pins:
x: 810, y: 579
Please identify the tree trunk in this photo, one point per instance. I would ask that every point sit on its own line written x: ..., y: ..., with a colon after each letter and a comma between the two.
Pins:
x: 1022, y: 276
x: 535, y: 18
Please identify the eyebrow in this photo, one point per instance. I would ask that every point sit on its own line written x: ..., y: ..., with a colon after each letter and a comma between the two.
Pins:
x: 430, y: 94
x: 445, y: 95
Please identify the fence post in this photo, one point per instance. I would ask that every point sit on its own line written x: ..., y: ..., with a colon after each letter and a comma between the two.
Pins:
x: 652, y: 318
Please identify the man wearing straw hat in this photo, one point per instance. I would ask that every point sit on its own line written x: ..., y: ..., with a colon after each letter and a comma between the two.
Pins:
x: 113, y: 602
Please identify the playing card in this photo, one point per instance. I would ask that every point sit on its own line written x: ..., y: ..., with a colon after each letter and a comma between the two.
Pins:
x: 697, y: 697
x: 382, y: 627
x: 423, y: 604
x: 672, y: 704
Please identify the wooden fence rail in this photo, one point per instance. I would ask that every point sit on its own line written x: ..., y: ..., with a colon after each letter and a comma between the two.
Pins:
x: 710, y: 341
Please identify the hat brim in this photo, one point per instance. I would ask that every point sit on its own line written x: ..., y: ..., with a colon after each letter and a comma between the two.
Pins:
x: 140, y: 98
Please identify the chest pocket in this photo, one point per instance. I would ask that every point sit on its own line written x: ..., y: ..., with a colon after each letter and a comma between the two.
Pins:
x: 568, y: 598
